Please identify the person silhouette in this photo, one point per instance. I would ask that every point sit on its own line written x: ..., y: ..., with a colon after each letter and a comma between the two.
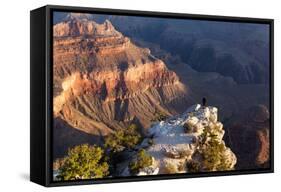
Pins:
x: 204, y: 102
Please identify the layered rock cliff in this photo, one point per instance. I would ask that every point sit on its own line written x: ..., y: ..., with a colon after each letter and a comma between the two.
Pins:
x: 103, y: 81
x: 253, y: 148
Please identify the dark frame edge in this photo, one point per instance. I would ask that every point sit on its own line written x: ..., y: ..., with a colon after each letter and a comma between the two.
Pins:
x: 37, y: 96
x: 49, y: 103
x: 159, y: 177
x: 271, y: 24
x: 162, y: 14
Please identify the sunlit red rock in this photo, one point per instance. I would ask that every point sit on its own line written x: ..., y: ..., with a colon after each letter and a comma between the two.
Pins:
x: 103, y: 81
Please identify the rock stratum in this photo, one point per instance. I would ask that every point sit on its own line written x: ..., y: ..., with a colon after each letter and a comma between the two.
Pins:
x: 106, y: 79
x: 181, y: 139
x: 253, y: 148
x: 104, y: 82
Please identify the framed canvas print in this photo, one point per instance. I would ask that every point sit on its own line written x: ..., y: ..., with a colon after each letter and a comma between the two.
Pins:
x: 119, y: 95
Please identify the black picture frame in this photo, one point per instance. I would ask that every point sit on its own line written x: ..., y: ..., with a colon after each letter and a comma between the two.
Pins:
x: 41, y: 93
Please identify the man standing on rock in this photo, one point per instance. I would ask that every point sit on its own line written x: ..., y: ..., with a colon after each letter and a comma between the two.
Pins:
x: 204, y: 102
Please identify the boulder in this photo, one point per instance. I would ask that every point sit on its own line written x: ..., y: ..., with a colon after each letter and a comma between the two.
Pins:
x: 148, y: 171
x: 191, y: 121
x: 171, y: 152
x: 213, y: 114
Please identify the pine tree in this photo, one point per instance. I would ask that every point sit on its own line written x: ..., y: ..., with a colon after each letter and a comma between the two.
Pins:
x: 84, y: 162
x: 123, y: 139
x: 142, y: 160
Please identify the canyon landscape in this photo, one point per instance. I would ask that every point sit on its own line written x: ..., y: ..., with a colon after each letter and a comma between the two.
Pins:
x: 127, y: 96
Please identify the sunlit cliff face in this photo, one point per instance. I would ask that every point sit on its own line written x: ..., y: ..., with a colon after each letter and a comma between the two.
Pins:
x: 89, y: 39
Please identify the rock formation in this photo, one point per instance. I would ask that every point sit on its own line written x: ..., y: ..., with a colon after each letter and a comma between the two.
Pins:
x: 173, y: 147
x: 253, y: 148
x: 103, y: 81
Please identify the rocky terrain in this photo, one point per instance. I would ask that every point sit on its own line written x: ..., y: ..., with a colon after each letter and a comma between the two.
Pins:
x: 236, y: 102
x: 103, y: 81
x: 108, y: 76
x: 206, y: 46
x: 173, y: 146
x: 254, y: 133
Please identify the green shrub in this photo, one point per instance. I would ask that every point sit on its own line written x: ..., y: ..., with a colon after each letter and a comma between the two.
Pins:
x: 224, y: 165
x: 142, y: 160
x: 212, y: 151
x: 123, y: 139
x: 193, y: 166
x: 213, y: 156
x: 203, y: 137
x: 159, y: 116
x: 83, y: 162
